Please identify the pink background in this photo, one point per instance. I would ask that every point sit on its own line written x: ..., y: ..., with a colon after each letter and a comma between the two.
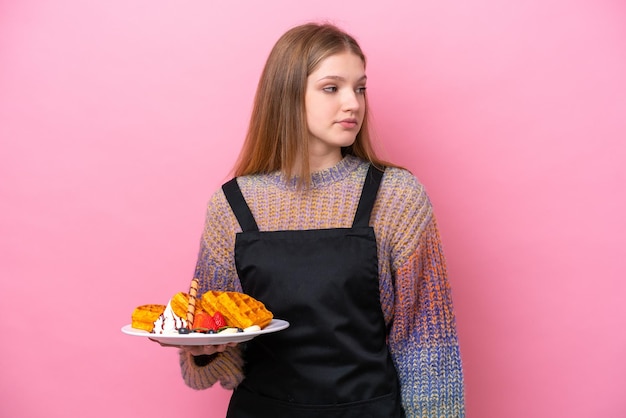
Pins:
x: 118, y: 119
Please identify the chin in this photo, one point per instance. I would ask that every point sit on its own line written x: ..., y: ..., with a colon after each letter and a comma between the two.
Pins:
x: 345, y: 141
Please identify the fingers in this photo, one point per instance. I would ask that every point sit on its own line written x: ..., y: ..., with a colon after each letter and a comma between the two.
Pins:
x: 165, y: 345
x: 195, y: 350
x: 198, y: 350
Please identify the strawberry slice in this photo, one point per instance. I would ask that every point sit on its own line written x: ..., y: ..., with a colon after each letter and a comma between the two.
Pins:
x: 204, y: 320
x: 219, y: 320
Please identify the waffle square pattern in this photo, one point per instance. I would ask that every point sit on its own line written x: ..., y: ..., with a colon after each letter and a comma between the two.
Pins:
x: 239, y: 309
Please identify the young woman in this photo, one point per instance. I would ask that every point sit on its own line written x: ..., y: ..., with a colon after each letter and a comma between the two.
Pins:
x: 342, y: 245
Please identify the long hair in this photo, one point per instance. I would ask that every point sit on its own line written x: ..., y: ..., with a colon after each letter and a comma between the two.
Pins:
x: 278, y: 133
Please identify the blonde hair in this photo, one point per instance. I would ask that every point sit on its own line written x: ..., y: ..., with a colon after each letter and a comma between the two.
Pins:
x: 278, y: 133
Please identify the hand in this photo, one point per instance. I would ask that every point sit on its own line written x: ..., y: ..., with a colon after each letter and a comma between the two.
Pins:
x: 197, y: 350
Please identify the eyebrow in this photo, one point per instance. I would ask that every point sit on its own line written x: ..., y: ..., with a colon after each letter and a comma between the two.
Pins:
x: 337, y: 77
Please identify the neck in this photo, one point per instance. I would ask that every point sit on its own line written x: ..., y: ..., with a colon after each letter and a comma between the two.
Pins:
x: 322, y: 161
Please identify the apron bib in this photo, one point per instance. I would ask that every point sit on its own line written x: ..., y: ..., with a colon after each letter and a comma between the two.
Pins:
x: 333, y: 360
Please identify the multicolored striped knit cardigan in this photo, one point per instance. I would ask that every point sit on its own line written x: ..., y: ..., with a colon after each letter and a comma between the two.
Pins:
x: 414, y: 289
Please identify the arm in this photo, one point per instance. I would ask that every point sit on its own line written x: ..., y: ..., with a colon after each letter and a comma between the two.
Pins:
x: 416, y: 299
x: 202, y: 372
x: 202, y: 367
x: 423, y: 338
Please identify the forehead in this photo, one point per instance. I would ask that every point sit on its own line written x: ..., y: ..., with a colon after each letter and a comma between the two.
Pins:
x: 343, y: 64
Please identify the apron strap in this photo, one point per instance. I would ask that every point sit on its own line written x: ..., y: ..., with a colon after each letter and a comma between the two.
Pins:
x: 239, y: 206
x: 368, y: 196
x: 361, y: 218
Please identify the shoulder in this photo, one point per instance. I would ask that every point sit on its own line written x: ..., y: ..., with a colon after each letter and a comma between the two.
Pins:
x: 218, y: 214
x: 254, y: 188
x: 402, y: 212
x: 400, y: 186
x: 245, y: 183
x: 217, y: 200
x: 401, y: 176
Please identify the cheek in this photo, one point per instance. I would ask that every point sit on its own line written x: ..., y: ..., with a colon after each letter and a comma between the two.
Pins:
x: 310, y: 116
x: 311, y: 109
x: 314, y: 114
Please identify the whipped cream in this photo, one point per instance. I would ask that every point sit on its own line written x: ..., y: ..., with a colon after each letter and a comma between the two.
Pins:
x: 168, y: 322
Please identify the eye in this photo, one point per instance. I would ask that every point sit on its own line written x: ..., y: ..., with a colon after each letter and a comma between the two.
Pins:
x: 330, y: 89
x: 361, y: 90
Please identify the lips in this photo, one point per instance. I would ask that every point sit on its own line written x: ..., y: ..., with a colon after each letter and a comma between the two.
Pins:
x: 348, y: 123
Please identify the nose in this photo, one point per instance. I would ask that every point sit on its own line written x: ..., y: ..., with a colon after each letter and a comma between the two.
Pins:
x: 350, y: 101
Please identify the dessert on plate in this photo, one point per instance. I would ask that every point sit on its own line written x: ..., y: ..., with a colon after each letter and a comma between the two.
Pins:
x: 214, y: 312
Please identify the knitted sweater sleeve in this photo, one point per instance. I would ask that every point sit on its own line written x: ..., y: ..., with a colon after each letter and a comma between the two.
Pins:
x: 423, y: 340
x: 215, y: 270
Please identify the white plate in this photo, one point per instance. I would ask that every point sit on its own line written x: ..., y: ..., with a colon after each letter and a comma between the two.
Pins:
x: 206, y: 339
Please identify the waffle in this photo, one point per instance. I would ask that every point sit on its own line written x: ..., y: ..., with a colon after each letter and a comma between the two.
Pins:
x: 179, y: 303
x: 143, y: 316
x: 239, y: 310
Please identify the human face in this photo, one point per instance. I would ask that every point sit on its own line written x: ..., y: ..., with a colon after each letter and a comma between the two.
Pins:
x: 335, y: 105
